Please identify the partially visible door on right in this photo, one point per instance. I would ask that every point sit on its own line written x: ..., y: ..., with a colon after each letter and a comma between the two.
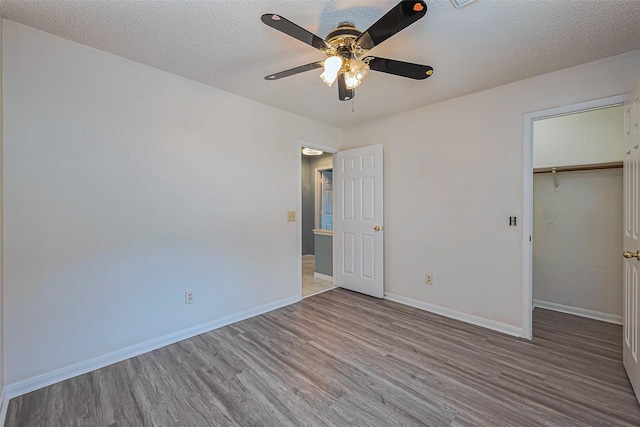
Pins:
x: 631, y: 239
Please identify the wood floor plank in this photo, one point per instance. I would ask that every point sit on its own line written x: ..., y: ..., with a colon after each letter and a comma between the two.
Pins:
x: 341, y: 358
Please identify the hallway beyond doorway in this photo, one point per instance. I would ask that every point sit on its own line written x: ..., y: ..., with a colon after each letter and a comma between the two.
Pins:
x: 312, y: 285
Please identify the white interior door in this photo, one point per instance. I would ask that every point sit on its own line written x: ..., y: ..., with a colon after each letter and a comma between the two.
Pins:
x: 631, y: 240
x: 358, y: 224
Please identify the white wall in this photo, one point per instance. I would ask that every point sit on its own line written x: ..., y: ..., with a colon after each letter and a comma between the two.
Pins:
x: 577, y: 239
x: 126, y: 186
x: 453, y: 176
x: 578, y: 139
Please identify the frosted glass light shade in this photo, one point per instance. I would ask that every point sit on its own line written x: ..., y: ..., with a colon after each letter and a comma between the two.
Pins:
x: 351, y: 81
x: 359, y: 68
x: 332, y: 66
x: 329, y: 78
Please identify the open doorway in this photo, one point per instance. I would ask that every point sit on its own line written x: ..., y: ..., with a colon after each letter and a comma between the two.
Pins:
x: 577, y: 207
x: 572, y: 212
x: 316, y: 221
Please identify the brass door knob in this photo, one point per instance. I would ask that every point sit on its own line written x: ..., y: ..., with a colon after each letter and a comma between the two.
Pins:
x: 378, y: 228
x: 628, y: 254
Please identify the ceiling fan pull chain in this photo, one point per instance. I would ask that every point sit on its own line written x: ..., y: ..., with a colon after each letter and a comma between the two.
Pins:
x: 353, y: 104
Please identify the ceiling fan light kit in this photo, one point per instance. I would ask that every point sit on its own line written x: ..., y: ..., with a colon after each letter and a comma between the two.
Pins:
x: 346, y: 48
x: 359, y: 68
x: 351, y: 81
x: 332, y: 66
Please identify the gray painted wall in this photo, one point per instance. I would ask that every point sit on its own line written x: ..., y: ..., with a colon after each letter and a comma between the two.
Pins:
x: 324, y: 254
x: 307, y: 208
x: 309, y: 165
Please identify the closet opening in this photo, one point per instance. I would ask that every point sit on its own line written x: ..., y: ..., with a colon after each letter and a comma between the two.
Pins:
x: 573, y: 219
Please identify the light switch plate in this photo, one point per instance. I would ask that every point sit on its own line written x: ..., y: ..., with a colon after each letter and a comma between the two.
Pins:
x: 189, y: 297
x: 291, y: 216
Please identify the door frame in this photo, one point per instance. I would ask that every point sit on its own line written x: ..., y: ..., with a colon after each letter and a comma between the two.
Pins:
x: 527, y: 195
x: 326, y: 149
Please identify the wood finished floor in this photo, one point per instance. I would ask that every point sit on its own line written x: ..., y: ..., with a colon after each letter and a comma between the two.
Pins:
x: 342, y: 359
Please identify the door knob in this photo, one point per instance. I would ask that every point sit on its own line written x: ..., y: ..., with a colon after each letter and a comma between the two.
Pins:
x: 628, y: 254
x: 378, y: 228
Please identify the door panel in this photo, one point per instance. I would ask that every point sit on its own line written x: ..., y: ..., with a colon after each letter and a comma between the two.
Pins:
x: 631, y: 239
x: 634, y: 191
x: 348, y: 199
x: 368, y: 256
x: 627, y: 302
x: 368, y: 199
x: 348, y: 254
x: 358, y: 222
x: 634, y: 314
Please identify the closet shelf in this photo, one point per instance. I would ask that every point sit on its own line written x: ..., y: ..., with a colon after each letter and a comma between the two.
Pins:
x: 575, y: 168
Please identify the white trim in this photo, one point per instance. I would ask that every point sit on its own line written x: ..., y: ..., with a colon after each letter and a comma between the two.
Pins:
x: 44, y: 380
x: 447, y: 312
x: 4, y: 402
x: 323, y: 277
x: 323, y: 232
x: 319, y: 292
x: 527, y: 195
x: 580, y: 107
x: 325, y: 148
x: 527, y: 229
x: 582, y: 312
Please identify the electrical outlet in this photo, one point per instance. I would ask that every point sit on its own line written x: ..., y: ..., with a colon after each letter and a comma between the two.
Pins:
x: 428, y: 279
x: 189, y: 297
x: 291, y: 216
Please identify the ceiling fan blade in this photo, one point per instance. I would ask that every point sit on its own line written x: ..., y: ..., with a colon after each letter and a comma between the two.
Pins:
x: 343, y: 93
x: 296, y: 70
x: 400, y: 17
x: 295, y: 31
x: 399, y: 68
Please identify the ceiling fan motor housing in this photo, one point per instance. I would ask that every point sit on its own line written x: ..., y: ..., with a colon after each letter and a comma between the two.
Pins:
x: 343, y: 41
x: 345, y: 30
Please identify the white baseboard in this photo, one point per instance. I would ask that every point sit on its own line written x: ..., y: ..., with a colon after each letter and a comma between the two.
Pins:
x: 319, y: 292
x: 4, y: 402
x: 458, y: 315
x: 582, y: 312
x: 323, y: 277
x: 44, y: 380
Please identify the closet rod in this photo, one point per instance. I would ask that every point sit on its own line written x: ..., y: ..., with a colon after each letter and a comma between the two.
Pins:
x: 596, y: 166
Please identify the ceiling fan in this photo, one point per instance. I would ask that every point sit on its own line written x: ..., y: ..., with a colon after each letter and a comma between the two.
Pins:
x: 346, y: 48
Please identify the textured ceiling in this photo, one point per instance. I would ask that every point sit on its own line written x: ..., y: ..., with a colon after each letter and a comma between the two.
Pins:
x: 223, y: 44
